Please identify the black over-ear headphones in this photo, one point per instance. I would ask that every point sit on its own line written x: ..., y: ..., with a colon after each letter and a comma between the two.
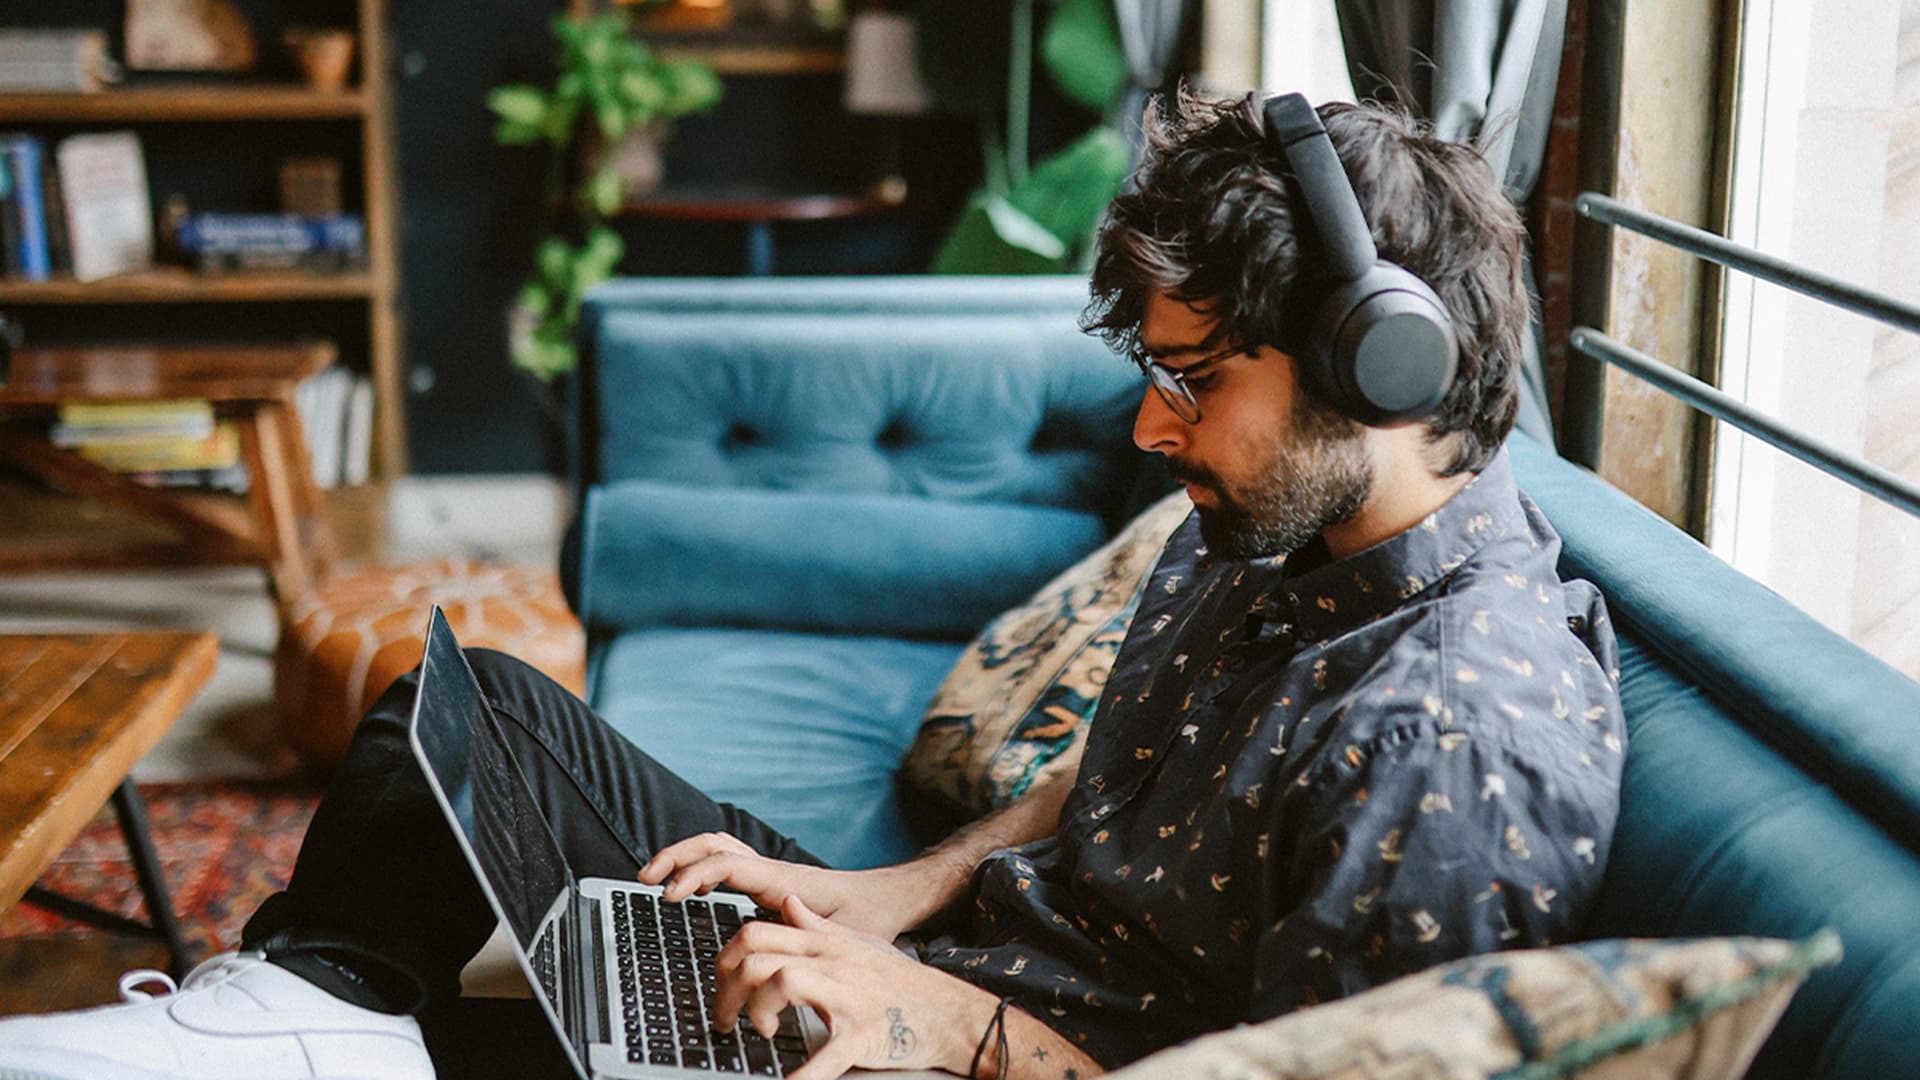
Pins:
x: 1381, y: 348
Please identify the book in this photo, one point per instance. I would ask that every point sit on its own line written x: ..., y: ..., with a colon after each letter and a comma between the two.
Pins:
x: 321, y: 402
x: 219, y: 449
x: 222, y: 241
x: 21, y: 155
x: 103, y: 177
x: 12, y: 253
x: 356, y: 443
x: 55, y: 61
x: 81, y: 424
x: 59, y: 254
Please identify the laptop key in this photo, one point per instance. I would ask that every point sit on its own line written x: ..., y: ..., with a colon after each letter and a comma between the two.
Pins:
x: 760, y: 1056
x: 697, y: 1059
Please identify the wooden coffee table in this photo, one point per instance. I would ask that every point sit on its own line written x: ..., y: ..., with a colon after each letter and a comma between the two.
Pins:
x: 76, y: 711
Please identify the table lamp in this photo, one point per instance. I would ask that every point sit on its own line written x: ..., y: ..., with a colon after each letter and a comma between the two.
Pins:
x: 883, y: 79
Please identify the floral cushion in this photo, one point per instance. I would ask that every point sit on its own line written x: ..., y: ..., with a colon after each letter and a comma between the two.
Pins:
x: 1604, y: 1009
x: 1015, y: 706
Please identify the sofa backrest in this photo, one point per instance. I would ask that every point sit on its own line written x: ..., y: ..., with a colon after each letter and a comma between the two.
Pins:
x: 1772, y: 779
x: 770, y: 413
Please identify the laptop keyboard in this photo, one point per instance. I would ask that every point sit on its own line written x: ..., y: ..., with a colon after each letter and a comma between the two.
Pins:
x: 666, y: 953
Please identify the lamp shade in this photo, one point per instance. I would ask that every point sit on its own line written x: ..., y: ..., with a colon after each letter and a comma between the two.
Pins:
x: 883, y: 66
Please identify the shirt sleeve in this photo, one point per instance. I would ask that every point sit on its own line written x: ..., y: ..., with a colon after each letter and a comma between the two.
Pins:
x: 1421, y: 845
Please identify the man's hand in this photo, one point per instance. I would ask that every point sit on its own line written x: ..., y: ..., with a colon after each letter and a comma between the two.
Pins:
x: 882, y: 903
x: 884, y: 1009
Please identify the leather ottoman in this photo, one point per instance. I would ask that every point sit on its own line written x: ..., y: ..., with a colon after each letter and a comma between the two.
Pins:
x: 345, y: 642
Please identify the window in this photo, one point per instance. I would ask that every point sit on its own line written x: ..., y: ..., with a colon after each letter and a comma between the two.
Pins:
x: 1826, y: 173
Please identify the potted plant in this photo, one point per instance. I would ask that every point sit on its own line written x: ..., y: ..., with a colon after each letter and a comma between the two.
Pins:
x: 609, y: 88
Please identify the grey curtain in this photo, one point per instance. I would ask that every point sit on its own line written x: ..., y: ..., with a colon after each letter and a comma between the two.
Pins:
x: 1478, y: 69
x: 1150, y: 34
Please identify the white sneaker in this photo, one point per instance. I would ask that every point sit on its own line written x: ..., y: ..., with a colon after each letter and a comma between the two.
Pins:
x: 234, y: 1018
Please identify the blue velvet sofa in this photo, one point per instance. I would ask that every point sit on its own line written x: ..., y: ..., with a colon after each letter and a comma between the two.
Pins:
x: 799, y: 499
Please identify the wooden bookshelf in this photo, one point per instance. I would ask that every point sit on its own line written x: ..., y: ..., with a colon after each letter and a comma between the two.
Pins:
x: 213, y: 105
x: 177, y: 285
x: 264, y: 101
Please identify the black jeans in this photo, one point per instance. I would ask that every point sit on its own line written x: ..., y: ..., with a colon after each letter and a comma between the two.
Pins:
x: 381, y: 888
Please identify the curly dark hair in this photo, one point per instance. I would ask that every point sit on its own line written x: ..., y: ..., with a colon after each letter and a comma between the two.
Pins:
x: 1210, y: 218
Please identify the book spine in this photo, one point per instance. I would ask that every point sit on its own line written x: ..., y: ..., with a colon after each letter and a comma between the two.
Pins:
x: 11, y: 245
x: 24, y: 158
x: 59, y: 250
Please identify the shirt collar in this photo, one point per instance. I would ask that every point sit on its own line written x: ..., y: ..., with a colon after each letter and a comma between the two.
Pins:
x: 1334, y: 597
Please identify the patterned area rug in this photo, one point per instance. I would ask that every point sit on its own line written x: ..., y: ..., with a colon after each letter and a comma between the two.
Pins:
x: 224, y: 848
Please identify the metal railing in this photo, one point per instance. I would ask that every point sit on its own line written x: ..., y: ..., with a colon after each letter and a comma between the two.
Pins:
x: 1861, y: 474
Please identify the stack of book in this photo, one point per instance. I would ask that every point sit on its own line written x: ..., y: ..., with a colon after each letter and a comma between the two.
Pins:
x: 336, y: 412
x: 164, y: 443
x: 55, y: 61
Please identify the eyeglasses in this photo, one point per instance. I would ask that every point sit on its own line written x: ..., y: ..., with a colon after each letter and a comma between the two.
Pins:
x: 1172, y: 385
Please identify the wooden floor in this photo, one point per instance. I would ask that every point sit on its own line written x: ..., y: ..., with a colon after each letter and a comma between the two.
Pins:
x: 45, y: 974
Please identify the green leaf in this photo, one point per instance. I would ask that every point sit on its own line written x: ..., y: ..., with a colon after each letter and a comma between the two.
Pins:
x: 519, y: 105
x: 690, y: 87
x: 554, y: 262
x: 604, y: 192
x: 1068, y: 192
x: 643, y: 93
x: 546, y: 357
x: 603, y: 249
x: 1081, y: 49
x: 993, y: 236
x: 534, y: 301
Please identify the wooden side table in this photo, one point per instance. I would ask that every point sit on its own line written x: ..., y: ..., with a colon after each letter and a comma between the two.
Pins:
x: 76, y: 711
x: 758, y: 212
x: 284, y: 525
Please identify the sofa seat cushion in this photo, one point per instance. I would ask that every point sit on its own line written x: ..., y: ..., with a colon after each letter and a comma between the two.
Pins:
x: 805, y: 731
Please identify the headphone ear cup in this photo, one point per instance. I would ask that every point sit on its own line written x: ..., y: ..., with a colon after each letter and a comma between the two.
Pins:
x: 1382, y: 348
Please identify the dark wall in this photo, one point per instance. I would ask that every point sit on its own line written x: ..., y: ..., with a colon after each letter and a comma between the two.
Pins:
x: 469, y: 220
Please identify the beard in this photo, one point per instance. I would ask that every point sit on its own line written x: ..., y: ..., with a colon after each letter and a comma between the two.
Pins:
x: 1312, y: 477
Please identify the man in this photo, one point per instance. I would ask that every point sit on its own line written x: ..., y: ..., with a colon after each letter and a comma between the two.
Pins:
x: 1359, y: 727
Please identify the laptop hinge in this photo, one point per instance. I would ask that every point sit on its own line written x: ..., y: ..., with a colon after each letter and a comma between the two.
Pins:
x: 587, y: 1018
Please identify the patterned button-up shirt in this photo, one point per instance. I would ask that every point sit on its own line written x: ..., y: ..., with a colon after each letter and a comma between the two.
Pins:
x: 1304, y: 781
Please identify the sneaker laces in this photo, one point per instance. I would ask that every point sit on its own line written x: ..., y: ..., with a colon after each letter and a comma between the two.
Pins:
x: 209, y: 970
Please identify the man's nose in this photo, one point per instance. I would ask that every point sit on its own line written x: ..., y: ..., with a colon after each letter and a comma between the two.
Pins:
x: 1156, y: 429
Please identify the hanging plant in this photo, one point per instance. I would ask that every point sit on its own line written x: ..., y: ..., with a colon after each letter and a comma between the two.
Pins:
x: 609, y: 86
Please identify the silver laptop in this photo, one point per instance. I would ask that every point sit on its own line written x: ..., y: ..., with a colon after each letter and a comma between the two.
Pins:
x: 623, y: 976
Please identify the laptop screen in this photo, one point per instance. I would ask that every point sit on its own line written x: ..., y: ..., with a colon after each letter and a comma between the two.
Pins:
x: 462, y: 746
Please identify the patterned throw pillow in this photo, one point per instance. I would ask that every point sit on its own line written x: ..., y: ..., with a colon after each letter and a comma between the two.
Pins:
x: 1015, y: 706
x: 1605, y: 1009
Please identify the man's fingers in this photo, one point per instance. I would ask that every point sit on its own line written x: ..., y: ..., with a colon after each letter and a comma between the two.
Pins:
x: 738, y: 982
x: 688, y: 851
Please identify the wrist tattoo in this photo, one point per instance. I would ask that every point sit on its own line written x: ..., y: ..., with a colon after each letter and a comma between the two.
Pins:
x: 1039, y: 1053
x: 900, y: 1037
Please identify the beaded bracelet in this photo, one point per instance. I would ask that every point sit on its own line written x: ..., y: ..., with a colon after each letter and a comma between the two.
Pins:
x: 997, y: 1032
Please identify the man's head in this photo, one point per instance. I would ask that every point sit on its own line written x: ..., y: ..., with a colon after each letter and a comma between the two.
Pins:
x: 1213, y: 250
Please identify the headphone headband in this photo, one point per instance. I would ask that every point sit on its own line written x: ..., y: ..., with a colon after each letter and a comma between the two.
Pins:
x: 1295, y: 127
x: 1382, y: 347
